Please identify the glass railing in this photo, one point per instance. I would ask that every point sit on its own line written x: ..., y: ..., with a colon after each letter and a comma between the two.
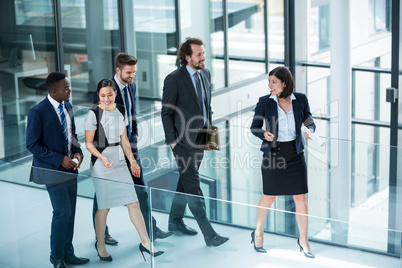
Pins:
x: 282, y: 248
x: 348, y: 183
x: 27, y: 217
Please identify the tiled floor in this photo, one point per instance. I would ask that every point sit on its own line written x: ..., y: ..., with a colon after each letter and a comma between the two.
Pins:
x: 25, y: 229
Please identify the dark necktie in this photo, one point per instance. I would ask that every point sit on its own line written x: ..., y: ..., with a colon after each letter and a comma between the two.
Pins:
x: 199, y: 94
x: 63, y: 123
x: 127, y: 110
x: 198, y: 88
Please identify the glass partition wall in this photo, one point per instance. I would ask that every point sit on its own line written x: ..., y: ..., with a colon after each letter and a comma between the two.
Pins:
x: 240, y: 159
x: 27, y: 54
x: 234, y: 174
x: 91, y: 40
x: 243, y: 40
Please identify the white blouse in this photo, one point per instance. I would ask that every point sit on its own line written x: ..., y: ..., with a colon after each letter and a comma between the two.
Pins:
x: 286, y: 122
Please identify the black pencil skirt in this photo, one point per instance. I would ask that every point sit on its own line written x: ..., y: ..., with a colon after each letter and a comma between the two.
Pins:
x: 284, y: 172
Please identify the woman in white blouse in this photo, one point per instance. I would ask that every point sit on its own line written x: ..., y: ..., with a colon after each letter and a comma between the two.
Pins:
x: 284, y: 169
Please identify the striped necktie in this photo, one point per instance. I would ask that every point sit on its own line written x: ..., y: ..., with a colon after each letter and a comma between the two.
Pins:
x: 63, y: 123
x: 128, y: 111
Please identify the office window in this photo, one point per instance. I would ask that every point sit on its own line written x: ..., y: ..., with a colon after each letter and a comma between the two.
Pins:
x: 370, y: 184
x: 91, y: 41
x: 204, y: 19
x: 318, y: 81
x: 319, y: 30
x: 276, y: 31
x: 368, y: 100
x: 217, y: 45
x: 378, y: 16
x: 370, y: 33
x: 246, y: 39
x: 27, y: 55
x: 154, y: 44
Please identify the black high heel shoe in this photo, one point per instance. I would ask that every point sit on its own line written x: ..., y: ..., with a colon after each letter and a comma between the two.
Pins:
x: 108, y: 258
x: 306, y: 254
x: 155, y: 254
x: 260, y: 249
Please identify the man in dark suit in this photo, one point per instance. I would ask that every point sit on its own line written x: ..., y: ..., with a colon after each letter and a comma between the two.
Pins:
x: 186, y: 116
x: 126, y: 67
x: 52, y: 140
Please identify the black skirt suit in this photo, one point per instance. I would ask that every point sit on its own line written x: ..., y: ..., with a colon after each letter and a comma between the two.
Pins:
x: 283, y: 167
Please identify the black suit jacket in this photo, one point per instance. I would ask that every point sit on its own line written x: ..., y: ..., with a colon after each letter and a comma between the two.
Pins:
x: 119, y: 100
x: 182, y: 115
x: 45, y: 140
x: 267, y: 110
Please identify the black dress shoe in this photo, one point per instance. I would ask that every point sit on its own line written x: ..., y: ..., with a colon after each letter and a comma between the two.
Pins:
x: 216, y: 240
x: 109, y: 240
x: 57, y: 263
x: 181, y: 227
x: 161, y: 234
x: 144, y: 249
x: 74, y: 260
x: 108, y: 258
x: 258, y: 249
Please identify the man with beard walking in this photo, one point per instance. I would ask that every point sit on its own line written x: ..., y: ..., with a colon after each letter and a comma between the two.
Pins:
x: 186, y: 116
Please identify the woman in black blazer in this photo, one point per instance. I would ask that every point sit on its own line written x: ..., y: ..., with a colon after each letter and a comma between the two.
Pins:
x: 284, y: 169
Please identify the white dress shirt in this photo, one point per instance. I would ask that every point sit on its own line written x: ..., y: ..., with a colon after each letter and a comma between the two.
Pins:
x: 55, y: 105
x: 121, y: 87
x: 191, y: 71
x: 286, y: 122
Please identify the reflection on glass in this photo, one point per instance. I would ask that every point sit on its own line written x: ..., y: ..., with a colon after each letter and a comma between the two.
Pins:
x: 246, y: 29
x: 154, y: 44
x: 240, y: 70
x: 246, y: 40
x: 370, y: 179
x: 91, y: 40
x: 184, y: 251
x: 217, y: 73
x: 318, y: 90
x: 370, y: 31
x: 319, y: 30
x: 233, y: 174
x: 378, y: 15
x: 369, y: 98
x: 32, y: 204
x: 276, y: 31
x: 217, y: 45
x: 367, y: 235
x: 27, y: 55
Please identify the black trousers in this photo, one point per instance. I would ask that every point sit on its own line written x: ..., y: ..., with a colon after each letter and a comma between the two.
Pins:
x: 63, y: 197
x: 141, y: 192
x: 188, y: 162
